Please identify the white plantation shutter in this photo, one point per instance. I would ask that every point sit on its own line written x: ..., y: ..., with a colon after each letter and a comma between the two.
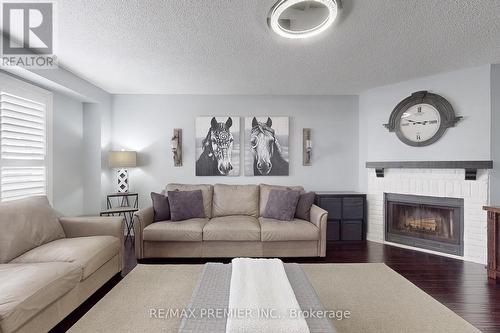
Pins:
x: 24, y: 119
x: 21, y: 182
x: 22, y: 128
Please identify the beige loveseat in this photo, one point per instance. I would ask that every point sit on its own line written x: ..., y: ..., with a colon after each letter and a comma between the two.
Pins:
x: 50, y: 265
x: 232, y: 227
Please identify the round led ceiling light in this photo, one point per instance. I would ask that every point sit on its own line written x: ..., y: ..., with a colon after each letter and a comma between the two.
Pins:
x: 302, y: 18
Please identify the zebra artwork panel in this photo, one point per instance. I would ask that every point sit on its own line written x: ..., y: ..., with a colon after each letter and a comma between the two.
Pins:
x: 266, y: 146
x: 217, y: 146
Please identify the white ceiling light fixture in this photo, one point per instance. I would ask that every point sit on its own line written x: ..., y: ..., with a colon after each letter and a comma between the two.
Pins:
x: 297, y: 19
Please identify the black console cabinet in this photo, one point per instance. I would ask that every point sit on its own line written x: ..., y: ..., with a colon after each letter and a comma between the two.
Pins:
x: 346, y: 215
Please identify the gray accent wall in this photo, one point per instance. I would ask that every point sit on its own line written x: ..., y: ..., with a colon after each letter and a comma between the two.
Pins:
x: 468, y: 91
x: 68, y: 180
x: 81, y: 142
x: 347, y: 131
x: 145, y: 123
x: 82, y: 135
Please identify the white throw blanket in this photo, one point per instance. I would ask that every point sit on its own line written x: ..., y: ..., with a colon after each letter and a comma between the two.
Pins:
x: 261, y: 299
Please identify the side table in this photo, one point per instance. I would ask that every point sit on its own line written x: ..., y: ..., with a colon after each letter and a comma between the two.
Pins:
x: 127, y: 205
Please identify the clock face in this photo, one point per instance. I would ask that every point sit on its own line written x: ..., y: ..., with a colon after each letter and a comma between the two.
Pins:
x: 420, y: 122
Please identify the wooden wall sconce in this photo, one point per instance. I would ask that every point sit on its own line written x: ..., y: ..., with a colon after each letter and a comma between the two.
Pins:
x: 176, y: 145
x: 306, y: 147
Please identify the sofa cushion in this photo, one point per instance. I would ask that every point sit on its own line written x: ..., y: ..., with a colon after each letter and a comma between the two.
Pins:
x: 26, y: 224
x: 184, y: 231
x: 27, y: 289
x: 266, y: 189
x: 232, y: 228
x: 207, y: 192
x: 90, y: 253
x: 185, y: 205
x: 295, y: 230
x: 235, y: 200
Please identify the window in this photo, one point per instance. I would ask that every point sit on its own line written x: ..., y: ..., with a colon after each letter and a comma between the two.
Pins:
x: 25, y: 139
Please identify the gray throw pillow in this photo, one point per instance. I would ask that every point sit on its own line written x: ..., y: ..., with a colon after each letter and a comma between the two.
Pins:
x: 281, y: 205
x: 161, y: 207
x: 185, y: 205
x: 304, y: 205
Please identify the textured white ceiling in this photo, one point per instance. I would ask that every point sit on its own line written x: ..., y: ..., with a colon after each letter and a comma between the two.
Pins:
x: 225, y: 46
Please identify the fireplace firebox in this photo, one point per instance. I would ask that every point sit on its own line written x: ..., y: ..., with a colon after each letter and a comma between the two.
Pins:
x: 431, y: 223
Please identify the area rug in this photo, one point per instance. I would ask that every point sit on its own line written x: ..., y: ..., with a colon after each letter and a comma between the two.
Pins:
x: 362, y: 297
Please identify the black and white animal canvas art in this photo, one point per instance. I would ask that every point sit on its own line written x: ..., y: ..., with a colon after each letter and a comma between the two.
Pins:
x: 266, y: 146
x: 217, y: 146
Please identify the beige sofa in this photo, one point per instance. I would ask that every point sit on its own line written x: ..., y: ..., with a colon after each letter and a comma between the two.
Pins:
x: 232, y: 227
x: 50, y: 265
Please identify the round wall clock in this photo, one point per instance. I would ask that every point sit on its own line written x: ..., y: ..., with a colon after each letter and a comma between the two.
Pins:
x: 421, y: 119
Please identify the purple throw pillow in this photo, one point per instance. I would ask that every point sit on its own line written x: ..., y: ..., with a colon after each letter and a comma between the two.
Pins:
x: 161, y: 207
x: 281, y: 205
x: 304, y: 205
x: 185, y: 205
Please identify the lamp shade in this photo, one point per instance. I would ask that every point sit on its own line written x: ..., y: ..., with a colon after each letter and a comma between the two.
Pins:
x: 122, y: 159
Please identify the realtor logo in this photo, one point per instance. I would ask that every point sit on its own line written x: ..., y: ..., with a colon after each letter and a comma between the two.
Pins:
x: 28, y: 34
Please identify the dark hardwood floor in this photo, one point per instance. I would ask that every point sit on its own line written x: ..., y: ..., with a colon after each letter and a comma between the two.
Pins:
x: 461, y: 286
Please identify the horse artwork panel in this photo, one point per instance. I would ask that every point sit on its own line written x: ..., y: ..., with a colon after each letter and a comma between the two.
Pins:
x: 217, y: 146
x: 266, y: 146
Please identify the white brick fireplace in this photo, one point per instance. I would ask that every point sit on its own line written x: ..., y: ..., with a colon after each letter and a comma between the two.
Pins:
x: 449, y: 183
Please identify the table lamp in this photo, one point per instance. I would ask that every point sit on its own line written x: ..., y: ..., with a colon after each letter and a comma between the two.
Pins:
x: 122, y: 160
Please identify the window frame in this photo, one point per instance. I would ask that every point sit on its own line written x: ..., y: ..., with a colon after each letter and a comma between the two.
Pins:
x: 21, y: 88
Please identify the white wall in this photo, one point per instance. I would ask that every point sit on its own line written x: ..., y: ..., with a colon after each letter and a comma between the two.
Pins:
x: 495, y: 134
x: 145, y: 123
x: 68, y: 161
x: 467, y: 90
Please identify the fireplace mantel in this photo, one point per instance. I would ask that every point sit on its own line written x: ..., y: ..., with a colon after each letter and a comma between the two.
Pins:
x: 470, y: 167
